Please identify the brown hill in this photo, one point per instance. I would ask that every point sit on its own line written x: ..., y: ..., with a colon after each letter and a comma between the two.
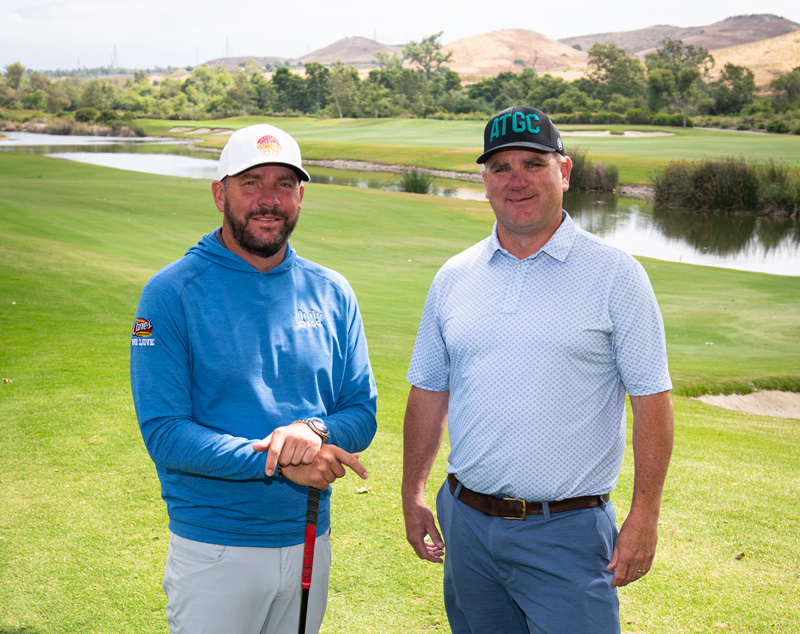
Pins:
x: 511, y: 50
x: 767, y: 58
x: 353, y: 51
x: 734, y: 31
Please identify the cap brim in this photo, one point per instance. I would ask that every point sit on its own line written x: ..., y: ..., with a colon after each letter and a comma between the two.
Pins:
x: 301, y: 173
x: 522, y: 145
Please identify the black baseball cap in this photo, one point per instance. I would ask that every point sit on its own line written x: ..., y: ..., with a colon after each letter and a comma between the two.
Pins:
x: 520, y: 127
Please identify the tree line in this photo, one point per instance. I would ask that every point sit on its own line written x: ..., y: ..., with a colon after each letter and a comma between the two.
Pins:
x: 671, y: 86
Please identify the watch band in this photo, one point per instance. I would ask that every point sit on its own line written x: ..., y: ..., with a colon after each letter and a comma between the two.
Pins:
x: 318, y: 426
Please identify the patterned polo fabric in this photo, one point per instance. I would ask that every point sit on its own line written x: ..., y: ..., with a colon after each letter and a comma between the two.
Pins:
x: 537, y: 355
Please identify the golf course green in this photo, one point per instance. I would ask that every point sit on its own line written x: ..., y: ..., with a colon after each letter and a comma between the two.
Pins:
x: 83, y: 531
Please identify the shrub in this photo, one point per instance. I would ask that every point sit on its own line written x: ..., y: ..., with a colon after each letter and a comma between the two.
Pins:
x: 662, y: 118
x: 729, y: 184
x: 642, y: 117
x: 778, y: 126
x: 415, y: 182
x: 589, y: 176
x: 86, y: 115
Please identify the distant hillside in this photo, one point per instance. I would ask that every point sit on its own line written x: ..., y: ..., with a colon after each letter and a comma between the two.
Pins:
x: 492, y: 53
x: 234, y: 62
x: 352, y: 51
x: 742, y: 29
x: 767, y: 58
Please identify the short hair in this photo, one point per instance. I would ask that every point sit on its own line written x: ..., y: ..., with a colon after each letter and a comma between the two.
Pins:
x: 560, y: 158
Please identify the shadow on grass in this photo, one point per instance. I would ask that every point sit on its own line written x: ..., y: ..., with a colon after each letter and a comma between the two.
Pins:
x: 4, y: 629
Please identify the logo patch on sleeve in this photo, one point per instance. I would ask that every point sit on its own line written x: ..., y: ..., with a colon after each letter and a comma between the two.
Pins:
x: 142, y: 329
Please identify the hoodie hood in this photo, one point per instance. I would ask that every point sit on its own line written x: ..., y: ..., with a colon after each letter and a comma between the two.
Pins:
x: 210, y: 248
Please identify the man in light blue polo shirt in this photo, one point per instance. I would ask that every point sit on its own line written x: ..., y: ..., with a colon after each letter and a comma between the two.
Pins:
x: 528, y: 344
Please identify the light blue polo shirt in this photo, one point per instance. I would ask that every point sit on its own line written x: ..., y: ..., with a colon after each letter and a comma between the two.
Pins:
x: 537, y: 355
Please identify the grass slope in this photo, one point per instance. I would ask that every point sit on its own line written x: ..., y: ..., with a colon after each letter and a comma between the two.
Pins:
x: 83, y: 533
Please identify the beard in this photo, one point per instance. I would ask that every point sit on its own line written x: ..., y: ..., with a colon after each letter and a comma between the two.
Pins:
x: 247, y: 240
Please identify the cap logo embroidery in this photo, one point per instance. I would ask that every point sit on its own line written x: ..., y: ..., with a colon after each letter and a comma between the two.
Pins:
x: 269, y: 145
x: 520, y: 122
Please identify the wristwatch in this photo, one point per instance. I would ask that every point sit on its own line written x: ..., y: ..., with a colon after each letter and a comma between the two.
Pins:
x: 317, y: 426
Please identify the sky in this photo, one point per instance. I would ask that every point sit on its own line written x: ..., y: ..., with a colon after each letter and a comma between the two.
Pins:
x: 67, y: 34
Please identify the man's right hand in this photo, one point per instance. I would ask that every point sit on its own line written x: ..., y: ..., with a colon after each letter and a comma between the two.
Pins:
x: 328, y: 465
x: 289, y: 445
x: 419, y: 526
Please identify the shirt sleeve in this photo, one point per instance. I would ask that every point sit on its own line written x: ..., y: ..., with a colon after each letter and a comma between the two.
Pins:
x: 353, y: 422
x: 430, y: 361
x: 161, y: 387
x: 639, y: 341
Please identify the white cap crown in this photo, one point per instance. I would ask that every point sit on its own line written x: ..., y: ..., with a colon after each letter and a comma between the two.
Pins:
x: 260, y: 144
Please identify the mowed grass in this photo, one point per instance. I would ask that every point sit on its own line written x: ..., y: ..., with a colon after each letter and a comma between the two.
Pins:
x: 454, y: 145
x: 83, y: 534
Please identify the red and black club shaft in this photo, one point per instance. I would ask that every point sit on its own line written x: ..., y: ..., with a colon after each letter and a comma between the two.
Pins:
x: 312, y: 515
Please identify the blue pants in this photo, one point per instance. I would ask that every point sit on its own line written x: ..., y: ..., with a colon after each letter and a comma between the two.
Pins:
x: 542, y: 575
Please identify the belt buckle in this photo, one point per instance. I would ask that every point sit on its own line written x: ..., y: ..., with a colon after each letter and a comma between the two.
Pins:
x: 524, y: 509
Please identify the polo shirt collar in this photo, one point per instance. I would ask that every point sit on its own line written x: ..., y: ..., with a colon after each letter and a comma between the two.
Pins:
x: 557, y: 247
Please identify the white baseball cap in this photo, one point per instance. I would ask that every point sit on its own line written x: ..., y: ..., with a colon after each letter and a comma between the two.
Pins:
x: 260, y: 144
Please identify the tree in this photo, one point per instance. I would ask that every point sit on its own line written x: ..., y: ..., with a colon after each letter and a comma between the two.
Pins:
x: 660, y: 88
x: 376, y: 98
x: 734, y: 90
x: 318, y: 85
x: 242, y: 91
x: 686, y: 64
x: 344, y: 80
x: 675, y: 56
x: 615, y: 72
x: 290, y: 90
x: 428, y: 54
x: 14, y: 74
x: 97, y: 93
x: 786, y: 89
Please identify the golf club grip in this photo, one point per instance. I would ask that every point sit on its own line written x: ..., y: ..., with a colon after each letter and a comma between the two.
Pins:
x: 312, y: 513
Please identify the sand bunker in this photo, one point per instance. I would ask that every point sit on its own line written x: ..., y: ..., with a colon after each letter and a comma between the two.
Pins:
x: 763, y: 403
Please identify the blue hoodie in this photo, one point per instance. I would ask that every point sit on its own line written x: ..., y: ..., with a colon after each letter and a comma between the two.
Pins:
x: 221, y: 355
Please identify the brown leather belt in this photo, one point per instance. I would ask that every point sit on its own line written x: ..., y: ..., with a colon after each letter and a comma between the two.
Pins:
x: 514, y: 509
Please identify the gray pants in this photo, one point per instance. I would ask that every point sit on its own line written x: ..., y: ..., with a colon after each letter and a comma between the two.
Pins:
x: 212, y: 589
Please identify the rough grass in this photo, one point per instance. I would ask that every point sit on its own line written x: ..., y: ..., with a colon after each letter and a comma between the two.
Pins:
x: 83, y: 532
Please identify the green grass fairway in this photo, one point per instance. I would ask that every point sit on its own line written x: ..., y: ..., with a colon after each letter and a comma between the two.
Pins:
x: 83, y: 531
x: 454, y: 145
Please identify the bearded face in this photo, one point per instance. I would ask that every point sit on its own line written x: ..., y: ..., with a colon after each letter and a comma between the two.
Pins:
x: 249, y: 240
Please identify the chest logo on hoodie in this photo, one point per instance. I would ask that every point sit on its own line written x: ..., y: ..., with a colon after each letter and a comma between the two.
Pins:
x: 308, y: 318
x: 142, y: 329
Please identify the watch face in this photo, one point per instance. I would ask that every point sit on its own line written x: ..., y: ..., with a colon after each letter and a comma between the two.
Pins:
x: 320, y: 427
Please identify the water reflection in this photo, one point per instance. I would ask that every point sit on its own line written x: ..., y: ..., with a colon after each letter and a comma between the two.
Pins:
x: 745, y: 242
x: 389, y: 181
x: 725, y: 235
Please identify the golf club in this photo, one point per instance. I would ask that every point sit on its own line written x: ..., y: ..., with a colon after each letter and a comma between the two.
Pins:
x: 312, y: 514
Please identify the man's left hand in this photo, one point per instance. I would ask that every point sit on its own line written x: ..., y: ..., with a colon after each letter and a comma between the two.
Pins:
x: 635, y: 549
x: 289, y: 445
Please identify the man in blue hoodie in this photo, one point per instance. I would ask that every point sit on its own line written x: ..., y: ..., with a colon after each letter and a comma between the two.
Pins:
x: 251, y: 380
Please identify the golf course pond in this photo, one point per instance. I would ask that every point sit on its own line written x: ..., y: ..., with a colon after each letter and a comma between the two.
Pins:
x: 744, y: 242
